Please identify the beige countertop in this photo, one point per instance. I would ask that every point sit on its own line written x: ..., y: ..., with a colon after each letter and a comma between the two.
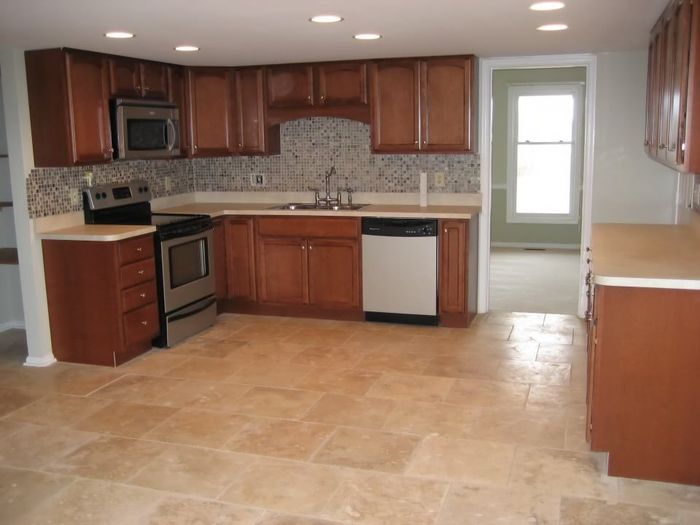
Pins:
x: 218, y: 209
x: 646, y: 256
x: 96, y: 232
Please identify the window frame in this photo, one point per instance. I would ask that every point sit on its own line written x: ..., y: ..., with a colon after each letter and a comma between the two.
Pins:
x: 514, y: 92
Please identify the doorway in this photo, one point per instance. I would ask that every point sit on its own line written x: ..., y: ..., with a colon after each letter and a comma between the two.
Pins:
x: 536, y: 182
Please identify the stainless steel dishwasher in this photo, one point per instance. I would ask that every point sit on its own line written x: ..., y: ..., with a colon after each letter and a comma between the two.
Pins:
x: 399, y: 270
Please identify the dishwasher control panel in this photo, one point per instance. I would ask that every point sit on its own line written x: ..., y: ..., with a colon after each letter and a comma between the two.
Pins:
x: 399, y: 227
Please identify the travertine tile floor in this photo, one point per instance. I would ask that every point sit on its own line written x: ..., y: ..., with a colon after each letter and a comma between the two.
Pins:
x: 291, y: 421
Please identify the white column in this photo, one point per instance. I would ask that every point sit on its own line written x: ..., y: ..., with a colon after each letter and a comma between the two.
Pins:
x: 31, y: 264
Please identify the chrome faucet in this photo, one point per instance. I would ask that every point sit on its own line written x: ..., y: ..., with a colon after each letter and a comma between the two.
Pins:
x: 327, y: 201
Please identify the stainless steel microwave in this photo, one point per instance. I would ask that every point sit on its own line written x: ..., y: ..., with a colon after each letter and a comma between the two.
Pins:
x: 144, y: 129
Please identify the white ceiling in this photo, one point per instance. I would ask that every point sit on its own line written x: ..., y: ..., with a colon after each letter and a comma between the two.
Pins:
x: 243, y: 32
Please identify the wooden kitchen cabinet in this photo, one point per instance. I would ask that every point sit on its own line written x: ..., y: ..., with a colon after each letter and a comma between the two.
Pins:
x: 456, y: 308
x: 342, y: 83
x: 102, y: 299
x: 643, y: 396
x: 290, y: 85
x: 210, y: 94
x: 220, y: 266
x: 131, y: 78
x: 426, y: 105
x: 252, y: 132
x: 177, y: 95
x: 240, y: 259
x: 672, y: 134
x: 314, y: 263
x: 68, y: 107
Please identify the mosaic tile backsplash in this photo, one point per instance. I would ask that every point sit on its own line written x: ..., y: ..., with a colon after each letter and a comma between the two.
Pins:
x: 309, y: 148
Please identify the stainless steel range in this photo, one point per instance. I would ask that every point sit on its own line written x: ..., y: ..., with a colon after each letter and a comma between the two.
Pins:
x: 184, y: 255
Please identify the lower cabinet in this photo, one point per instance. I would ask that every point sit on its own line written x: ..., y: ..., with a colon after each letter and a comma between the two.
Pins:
x: 102, y: 299
x: 643, y: 392
x: 311, y: 262
x: 454, y: 287
x: 240, y: 259
x: 220, y: 267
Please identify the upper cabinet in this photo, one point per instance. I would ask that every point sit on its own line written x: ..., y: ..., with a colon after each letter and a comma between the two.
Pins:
x: 290, y: 86
x: 177, y: 89
x: 423, y: 105
x: 672, y: 133
x: 252, y: 132
x: 342, y: 83
x: 133, y: 78
x: 210, y: 104
x: 68, y: 107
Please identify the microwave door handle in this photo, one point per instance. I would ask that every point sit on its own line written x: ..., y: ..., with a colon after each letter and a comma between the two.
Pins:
x: 170, y: 134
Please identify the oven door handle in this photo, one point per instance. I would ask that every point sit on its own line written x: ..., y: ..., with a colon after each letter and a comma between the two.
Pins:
x: 170, y: 134
x: 188, y: 313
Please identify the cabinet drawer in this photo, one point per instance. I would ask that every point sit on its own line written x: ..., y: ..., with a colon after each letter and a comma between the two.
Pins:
x: 304, y: 227
x: 135, y: 249
x: 138, y: 296
x: 138, y: 272
x: 141, y: 325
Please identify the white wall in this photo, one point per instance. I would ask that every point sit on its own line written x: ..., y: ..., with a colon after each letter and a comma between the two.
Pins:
x: 11, y: 315
x: 627, y: 186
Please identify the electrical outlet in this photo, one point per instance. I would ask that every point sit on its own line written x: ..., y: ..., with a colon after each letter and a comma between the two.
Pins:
x: 75, y: 197
x: 257, y: 179
x: 439, y: 179
x: 89, y: 178
x: 168, y: 184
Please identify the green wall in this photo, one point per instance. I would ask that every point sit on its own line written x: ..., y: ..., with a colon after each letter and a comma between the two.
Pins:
x: 502, y: 231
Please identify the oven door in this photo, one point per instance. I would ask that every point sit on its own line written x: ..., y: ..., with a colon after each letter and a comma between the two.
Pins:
x: 146, y: 132
x: 187, y: 269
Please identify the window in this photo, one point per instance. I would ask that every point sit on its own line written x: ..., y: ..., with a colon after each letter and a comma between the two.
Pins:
x: 544, y: 160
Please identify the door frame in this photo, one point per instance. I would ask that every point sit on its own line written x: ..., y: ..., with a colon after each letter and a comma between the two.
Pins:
x: 486, y: 69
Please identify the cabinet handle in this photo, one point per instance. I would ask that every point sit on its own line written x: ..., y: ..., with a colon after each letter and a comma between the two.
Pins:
x: 142, y: 295
x: 140, y: 272
x: 144, y: 323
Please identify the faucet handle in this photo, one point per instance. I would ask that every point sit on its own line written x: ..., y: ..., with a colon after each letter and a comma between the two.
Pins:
x: 349, y: 191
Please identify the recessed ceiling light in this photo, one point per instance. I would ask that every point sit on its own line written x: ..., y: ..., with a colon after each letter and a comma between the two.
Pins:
x: 547, y: 6
x: 326, y: 19
x: 553, y: 27
x: 119, y: 34
x: 367, y: 36
x: 186, y: 49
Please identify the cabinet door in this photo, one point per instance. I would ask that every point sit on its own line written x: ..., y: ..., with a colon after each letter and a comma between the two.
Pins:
x: 394, y: 92
x: 668, y: 43
x: 681, y: 13
x: 177, y: 89
x: 210, y: 94
x: 250, y: 111
x: 591, y: 347
x: 342, y: 84
x: 656, y: 114
x: 240, y: 258
x: 282, y: 270
x: 220, y: 268
x: 447, y: 110
x: 334, y: 273
x: 290, y: 86
x: 453, y: 266
x: 154, y: 80
x: 124, y: 77
x: 89, y: 111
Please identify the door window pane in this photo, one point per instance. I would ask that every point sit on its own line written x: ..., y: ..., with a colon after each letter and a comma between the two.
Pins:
x: 545, y: 118
x: 543, y: 178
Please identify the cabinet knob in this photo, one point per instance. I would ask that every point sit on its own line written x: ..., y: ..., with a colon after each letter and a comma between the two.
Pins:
x: 445, y: 230
x: 303, y: 247
x: 646, y: 142
x: 140, y: 272
x: 662, y: 146
x: 144, y: 323
x: 240, y: 145
x: 194, y: 147
x: 139, y: 249
x: 308, y: 98
x: 415, y: 142
x: 142, y: 295
x: 311, y: 247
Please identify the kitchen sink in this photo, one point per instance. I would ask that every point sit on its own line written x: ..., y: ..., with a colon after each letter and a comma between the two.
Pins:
x: 312, y: 206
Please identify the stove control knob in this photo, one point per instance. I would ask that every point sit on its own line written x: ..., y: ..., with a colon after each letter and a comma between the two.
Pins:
x: 98, y: 196
x: 104, y: 195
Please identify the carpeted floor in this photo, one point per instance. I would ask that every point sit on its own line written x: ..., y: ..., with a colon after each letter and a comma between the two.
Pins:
x: 534, y: 281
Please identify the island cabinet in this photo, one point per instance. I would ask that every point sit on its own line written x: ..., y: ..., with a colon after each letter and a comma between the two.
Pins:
x: 672, y: 134
x: 131, y: 78
x: 68, y: 107
x: 643, y: 391
x: 423, y: 105
x: 457, y: 272
x: 102, y: 299
x: 310, y: 263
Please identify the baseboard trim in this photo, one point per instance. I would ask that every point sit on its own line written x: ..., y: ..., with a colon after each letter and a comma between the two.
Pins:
x: 12, y: 325
x: 39, y: 361
x: 536, y: 245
